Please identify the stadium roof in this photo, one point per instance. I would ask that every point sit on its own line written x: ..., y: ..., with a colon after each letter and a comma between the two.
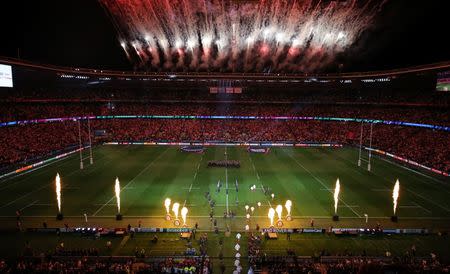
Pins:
x: 436, y: 67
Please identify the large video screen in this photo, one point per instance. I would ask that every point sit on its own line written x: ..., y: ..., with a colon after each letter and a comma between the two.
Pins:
x: 6, y: 78
x: 443, y: 81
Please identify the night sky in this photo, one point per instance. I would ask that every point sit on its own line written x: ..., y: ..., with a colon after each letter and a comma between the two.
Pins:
x: 79, y: 33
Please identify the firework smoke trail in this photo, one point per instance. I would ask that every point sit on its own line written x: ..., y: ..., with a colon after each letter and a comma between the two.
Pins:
x: 336, y: 195
x: 58, y: 191
x: 395, y: 194
x: 227, y: 35
x: 117, y: 191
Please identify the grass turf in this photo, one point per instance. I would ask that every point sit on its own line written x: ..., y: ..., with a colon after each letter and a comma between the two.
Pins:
x: 150, y: 174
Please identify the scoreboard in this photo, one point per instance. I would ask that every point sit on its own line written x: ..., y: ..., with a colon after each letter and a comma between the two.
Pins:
x: 443, y: 81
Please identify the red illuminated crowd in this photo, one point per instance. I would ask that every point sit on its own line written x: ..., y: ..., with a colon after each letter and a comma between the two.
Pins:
x: 30, y: 142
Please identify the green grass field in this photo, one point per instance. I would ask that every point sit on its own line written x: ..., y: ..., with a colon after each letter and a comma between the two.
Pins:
x: 150, y: 174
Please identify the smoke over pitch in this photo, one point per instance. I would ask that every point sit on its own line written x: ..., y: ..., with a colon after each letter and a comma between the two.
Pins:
x: 228, y: 36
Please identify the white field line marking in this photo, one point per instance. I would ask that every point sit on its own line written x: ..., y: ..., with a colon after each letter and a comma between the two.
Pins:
x: 192, y: 183
x: 25, y: 195
x: 259, y: 179
x: 327, y: 189
x: 322, y: 183
x: 40, y: 204
x: 132, y: 180
x: 42, y: 187
x: 427, y: 210
x: 412, y: 170
x: 426, y: 199
x: 381, y: 189
x: 27, y: 206
x: 415, y: 206
x: 105, y: 204
x: 419, y: 195
x: 34, y: 169
x: 413, y: 192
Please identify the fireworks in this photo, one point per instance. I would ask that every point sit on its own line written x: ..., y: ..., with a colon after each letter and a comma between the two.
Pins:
x: 395, y: 195
x: 117, y: 191
x: 337, y: 189
x: 211, y: 35
x: 58, y: 191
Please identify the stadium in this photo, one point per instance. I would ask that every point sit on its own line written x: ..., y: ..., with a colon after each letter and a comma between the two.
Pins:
x: 239, y: 139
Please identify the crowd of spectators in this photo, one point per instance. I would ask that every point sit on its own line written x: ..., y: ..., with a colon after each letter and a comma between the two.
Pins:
x: 97, y: 265
x: 254, y: 249
x: 27, y: 143
x: 352, y: 265
x: 26, y: 111
x: 289, y: 264
x: 406, y: 92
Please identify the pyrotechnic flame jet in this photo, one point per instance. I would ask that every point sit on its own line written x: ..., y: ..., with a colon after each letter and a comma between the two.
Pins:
x: 184, y: 212
x: 117, y: 191
x: 175, y: 208
x: 336, y: 195
x: 395, y: 195
x: 167, y: 205
x: 288, y: 206
x: 58, y: 191
x: 271, y: 214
